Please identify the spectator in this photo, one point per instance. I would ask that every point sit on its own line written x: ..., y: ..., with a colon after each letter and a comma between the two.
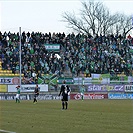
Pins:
x: 80, y: 54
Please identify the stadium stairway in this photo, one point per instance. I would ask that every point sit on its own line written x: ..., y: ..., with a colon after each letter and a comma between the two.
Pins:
x: 6, y: 73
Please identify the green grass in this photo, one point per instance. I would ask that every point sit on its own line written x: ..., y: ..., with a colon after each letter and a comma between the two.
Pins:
x: 88, y: 116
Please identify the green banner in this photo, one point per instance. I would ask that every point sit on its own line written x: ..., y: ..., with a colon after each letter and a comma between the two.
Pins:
x: 68, y: 80
x: 52, y: 47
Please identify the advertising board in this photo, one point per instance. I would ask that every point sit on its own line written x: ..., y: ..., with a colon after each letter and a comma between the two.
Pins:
x: 9, y: 80
x: 3, y: 88
x: 105, y: 88
x: 28, y: 88
x: 120, y: 96
x: 77, y: 96
x: 128, y: 88
x: 29, y: 97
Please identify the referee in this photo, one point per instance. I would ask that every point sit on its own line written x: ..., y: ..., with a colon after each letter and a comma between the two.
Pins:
x: 64, y: 93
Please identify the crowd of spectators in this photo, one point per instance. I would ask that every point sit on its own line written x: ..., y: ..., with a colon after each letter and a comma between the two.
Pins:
x: 80, y: 54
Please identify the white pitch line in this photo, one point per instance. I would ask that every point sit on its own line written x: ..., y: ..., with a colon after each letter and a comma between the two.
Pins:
x: 5, y: 131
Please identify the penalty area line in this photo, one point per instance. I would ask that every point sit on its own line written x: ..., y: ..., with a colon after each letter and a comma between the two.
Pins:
x: 5, y: 131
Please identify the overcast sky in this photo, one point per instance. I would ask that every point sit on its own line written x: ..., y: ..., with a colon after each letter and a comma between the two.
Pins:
x: 45, y: 15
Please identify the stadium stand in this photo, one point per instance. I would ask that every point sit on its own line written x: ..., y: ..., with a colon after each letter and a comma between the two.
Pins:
x: 80, y: 54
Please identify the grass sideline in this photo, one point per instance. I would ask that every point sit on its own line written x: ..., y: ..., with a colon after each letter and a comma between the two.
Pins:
x: 88, y: 116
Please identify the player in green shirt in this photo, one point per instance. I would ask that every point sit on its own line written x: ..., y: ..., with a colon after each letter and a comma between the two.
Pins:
x: 18, y: 94
x: 82, y: 90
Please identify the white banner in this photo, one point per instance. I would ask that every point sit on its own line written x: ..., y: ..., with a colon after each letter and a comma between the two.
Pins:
x: 87, y: 81
x: 95, y: 76
x: 78, y: 81
x: 28, y: 88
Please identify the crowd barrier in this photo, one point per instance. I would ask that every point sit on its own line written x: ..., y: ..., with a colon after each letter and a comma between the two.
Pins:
x: 97, y: 91
x: 73, y: 96
x: 9, y: 96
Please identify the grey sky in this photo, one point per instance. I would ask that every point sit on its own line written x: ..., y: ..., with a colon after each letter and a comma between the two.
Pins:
x: 45, y: 15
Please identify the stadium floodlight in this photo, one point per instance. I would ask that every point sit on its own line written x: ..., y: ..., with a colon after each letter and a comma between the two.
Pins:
x: 20, y: 56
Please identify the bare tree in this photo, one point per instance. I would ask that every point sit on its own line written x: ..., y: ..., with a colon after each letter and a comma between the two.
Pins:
x: 123, y: 25
x: 95, y: 18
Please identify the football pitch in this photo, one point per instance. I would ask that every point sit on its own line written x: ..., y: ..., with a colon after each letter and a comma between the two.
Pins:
x: 88, y: 116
